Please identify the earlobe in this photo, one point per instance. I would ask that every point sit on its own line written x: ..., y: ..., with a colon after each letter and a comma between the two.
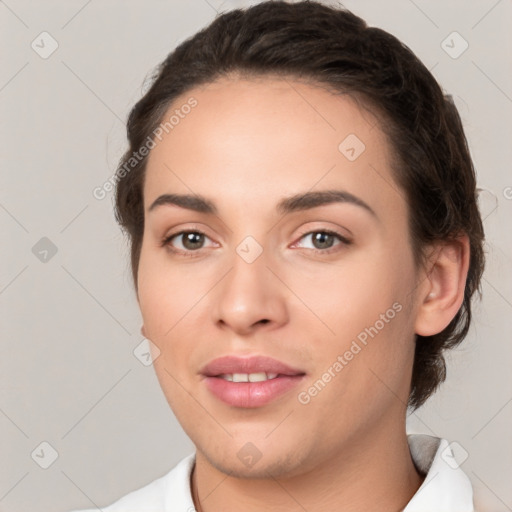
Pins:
x: 443, y: 292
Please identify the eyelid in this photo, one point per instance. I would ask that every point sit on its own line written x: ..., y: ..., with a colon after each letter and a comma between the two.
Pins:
x: 323, y: 229
x: 181, y: 228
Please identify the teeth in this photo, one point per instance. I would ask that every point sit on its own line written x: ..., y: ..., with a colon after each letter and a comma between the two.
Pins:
x: 257, y: 377
x: 248, y: 377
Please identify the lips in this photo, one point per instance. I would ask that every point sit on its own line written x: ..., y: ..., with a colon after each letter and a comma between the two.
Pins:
x: 254, y: 364
x: 249, y: 381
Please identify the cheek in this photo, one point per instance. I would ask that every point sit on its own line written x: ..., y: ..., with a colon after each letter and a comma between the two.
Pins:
x: 361, y: 377
x: 350, y: 295
x: 167, y: 292
x: 369, y: 345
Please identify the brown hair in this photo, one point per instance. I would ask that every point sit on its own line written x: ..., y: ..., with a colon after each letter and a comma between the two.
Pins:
x: 333, y: 47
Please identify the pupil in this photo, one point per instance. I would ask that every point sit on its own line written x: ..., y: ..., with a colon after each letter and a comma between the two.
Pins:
x: 321, y: 238
x: 191, y: 239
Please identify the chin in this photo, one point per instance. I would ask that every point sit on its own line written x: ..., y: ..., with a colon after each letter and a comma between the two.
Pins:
x: 263, y: 465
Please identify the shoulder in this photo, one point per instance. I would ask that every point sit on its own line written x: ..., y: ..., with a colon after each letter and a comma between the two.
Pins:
x: 173, y: 488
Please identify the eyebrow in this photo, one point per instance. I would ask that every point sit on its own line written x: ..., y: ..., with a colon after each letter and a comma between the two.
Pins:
x: 297, y: 202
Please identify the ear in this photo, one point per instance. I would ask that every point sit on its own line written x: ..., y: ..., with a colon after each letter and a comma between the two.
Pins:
x: 442, y: 291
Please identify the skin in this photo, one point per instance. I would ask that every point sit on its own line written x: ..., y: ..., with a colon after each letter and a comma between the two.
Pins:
x: 245, y: 146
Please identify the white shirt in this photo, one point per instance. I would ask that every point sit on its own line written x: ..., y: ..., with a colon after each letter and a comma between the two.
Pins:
x: 446, y: 487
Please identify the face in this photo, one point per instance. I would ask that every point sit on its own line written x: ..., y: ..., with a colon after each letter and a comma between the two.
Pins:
x: 307, y: 294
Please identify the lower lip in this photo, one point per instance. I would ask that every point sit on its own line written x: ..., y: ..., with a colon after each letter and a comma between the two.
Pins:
x: 251, y: 394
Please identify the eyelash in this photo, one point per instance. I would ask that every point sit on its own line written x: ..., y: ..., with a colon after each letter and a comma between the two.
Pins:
x: 191, y: 254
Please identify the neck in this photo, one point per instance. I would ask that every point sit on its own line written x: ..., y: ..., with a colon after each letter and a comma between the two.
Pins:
x: 364, y: 475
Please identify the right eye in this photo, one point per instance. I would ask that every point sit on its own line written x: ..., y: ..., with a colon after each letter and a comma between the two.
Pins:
x: 189, y: 242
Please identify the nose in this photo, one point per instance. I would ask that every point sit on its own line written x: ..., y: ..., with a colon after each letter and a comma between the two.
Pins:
x: 250, y: 297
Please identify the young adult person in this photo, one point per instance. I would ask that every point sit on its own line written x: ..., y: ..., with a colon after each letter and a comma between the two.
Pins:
x: 305, y: 243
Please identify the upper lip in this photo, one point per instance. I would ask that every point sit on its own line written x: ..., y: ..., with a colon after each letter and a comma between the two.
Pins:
x: 252, y: 364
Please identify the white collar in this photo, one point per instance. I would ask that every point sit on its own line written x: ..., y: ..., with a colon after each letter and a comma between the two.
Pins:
x: 446, y: 487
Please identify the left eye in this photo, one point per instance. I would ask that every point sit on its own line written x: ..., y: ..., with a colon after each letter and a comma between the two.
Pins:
x: 322, y: 240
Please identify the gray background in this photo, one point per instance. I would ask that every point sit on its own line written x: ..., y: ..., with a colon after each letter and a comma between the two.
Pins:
x: 70, y: 322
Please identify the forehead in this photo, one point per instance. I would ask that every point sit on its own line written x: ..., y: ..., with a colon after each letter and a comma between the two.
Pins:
x: 262, y: 138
